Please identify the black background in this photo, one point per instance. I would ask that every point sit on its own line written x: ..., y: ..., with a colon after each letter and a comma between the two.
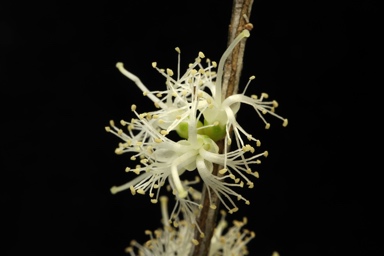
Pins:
x: 319, y: 191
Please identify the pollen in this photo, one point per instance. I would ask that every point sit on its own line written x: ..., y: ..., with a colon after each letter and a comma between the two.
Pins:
x: 132, y: 189
x: 169, y: 72
x: 141, y: 191
x: 195, y: 242
x: 275, y: 104
x: 223, y: 171
x: 164, y: 132
x: 137, y: 170
x: 118, y: 151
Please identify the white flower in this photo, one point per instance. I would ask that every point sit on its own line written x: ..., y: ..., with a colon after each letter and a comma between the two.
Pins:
x: 160, y: 158
x: 176, y: 238
x: 219, y: 114
x: 192, y: 106
x: 233, y: 242
x: 163, y: 159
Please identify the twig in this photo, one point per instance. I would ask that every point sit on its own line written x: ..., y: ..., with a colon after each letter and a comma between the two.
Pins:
x: 241, y: 11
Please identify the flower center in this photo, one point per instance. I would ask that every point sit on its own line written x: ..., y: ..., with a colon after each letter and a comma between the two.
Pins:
x: 214, y: 131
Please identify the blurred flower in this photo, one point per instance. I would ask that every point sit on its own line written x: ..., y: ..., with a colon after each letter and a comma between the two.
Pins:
x: 176, y: 238
x: 232, y: 242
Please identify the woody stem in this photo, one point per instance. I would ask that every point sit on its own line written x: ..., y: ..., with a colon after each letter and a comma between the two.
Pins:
x: 241, y: 11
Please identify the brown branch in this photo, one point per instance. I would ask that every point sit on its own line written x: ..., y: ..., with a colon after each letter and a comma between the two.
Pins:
x: 241, y: 11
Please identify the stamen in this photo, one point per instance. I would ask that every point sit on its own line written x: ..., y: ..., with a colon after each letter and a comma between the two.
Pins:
x: 245, y: 33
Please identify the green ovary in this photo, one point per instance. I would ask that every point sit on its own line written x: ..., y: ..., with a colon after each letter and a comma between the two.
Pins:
x: 216, y: 132
x: 182, y: 129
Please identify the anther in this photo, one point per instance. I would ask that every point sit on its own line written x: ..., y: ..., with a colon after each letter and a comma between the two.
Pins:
x: 223, y: 171
x: 169, y: 72
x: 141, y: 191
x: 264, y: 95
x: 133, y: 191
x: 275, y: 104
x: 195, y: 242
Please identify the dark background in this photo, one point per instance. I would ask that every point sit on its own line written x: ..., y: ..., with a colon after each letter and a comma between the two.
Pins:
x: 319, y: 191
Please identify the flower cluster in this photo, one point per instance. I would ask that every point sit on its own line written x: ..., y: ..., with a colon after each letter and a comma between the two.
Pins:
x: 192, y: 106
x: 175, y: 237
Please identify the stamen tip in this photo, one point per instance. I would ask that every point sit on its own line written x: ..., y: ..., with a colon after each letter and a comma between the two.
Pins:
x: 114, y: 190
x: 246, y: 33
